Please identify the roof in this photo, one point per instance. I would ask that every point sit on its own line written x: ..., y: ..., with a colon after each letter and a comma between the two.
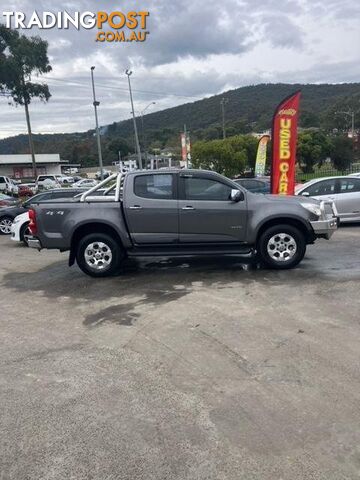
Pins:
x: 26, y: 158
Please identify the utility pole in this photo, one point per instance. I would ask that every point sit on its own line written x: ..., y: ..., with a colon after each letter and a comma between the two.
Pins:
x: 223, y: 101
x: 143, y: 131
x: 27, y: 115
x: 137, y: 144
x: 96, y: 104
x: 31, y: 141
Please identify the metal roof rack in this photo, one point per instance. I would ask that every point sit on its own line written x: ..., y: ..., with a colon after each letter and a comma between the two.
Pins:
x: 87, y: 197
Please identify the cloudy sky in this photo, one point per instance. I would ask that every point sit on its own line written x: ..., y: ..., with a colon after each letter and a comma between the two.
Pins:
x: 195, y: 48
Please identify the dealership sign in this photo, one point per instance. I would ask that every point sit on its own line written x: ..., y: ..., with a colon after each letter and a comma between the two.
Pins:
x: 284, y: 137
x: 261, y: 156
x: 116, y: 26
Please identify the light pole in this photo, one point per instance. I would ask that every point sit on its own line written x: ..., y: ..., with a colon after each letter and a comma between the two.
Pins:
x: 143, y: 131
x: 96, y: 104
x: 352, y: 115
x: 223, y: 101
x: 128, y: 73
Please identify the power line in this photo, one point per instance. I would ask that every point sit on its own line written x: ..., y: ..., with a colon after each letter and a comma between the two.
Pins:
x: 111, y: 87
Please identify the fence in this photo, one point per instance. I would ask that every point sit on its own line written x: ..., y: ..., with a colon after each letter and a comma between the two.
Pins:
x: 325, y: 171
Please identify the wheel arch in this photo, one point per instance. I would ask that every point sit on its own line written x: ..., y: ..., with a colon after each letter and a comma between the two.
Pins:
x: 86, y: 229
x: 296, y: 222
x: 23, y: 228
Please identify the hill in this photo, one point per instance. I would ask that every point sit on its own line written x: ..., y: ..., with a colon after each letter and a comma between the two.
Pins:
x: 247, y: 109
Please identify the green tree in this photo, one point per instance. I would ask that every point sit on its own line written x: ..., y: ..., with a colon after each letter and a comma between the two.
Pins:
x: 312, y: 149
x: 20, y: 58
x: 342, y: 152
x: 119, y: 145
x: 220, y: 156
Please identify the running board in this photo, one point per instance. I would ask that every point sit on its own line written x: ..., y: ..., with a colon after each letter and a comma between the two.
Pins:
x: 181, y: 251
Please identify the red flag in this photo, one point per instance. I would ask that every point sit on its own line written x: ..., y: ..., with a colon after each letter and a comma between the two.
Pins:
x: 284, y: 137
x: 183, y: 147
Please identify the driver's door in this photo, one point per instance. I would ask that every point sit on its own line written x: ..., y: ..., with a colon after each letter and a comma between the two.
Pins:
x: 206, y: 212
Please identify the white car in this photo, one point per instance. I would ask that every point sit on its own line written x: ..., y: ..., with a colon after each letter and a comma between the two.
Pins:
x: 65, y: 179
x: 343, y: 191
x: 8, y: 186
x: 85, y: 183
x: 19, y: 228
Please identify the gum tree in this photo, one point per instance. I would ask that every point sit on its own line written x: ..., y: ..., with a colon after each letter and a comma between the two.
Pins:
x: 21, y: 58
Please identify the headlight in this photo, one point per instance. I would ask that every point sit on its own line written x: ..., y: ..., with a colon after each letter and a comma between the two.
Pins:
x: 313, y: 208
x: 16, y: 220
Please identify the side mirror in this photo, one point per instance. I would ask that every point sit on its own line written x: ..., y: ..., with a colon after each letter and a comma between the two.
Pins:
x: 236, y: 195
x: 305, y: 194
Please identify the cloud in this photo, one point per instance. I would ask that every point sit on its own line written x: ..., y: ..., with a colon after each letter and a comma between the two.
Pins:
x: 195, y: 48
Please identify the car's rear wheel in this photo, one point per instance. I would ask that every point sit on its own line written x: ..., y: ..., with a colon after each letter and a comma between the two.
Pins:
x: 5, y: 225
x: 99, y: 255
x: 282, y: 247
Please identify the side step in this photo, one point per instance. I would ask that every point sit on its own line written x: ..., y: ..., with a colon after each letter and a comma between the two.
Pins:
x: 189, y: 250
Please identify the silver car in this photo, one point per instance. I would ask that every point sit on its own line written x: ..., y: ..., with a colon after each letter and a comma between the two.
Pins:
x: 343, y: 191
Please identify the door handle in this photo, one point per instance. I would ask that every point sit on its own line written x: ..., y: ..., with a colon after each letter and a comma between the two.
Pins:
x: 188, y: 207
x: 135, y: 207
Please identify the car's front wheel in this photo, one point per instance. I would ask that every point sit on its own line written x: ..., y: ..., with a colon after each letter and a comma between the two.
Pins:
x: 5, y: 225
x: 99, y: 255
x: 282, y: 247
x: 24, y: 232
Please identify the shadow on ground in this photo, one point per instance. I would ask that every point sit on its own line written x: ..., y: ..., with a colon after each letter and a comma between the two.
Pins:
x: 160, y: 280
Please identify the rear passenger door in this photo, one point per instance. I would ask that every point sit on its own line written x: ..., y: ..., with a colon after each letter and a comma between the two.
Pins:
x: 151, y: 208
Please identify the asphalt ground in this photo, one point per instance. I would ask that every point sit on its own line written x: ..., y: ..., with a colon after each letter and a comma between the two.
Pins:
x: 191, y: 368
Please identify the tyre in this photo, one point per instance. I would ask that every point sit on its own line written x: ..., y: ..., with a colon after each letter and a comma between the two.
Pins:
x: 5, y: 225
x: 23, y: 233
x: 99, y: 255
x: 281, y: 247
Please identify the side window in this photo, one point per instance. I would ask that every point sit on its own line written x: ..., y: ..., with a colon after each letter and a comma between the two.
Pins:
x: 252, y: 184
x: 46, y: 177
x: 158, y: 186
x: 348, y: 185
x: 64, y: 194
x: 36, y: 198
x: 45, y: 196
x: 326, y: 187
x: 197, y: 188
x: 2, y: 180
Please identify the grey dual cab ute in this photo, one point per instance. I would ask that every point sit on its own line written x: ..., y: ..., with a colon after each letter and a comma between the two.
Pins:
x: 178, y: 213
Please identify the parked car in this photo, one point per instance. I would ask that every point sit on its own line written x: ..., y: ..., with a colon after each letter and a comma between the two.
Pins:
x: 77, y: 178
x: 85, y: 183
x: 106, y: 174
x: 19, y: 229
x: 355, y: 174
x: 8, y: 214
x: 65, y: 179
x: 7, y: 201
x: 179, y: 213
x: 47, y: 181
x: 254, y: 185
x: 71, y: 171
x: 343, y: 191
x: 27, y: 189
x: 8, y: 186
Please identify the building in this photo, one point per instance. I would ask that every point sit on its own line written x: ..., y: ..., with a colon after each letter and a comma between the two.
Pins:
x: 20, y: 166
